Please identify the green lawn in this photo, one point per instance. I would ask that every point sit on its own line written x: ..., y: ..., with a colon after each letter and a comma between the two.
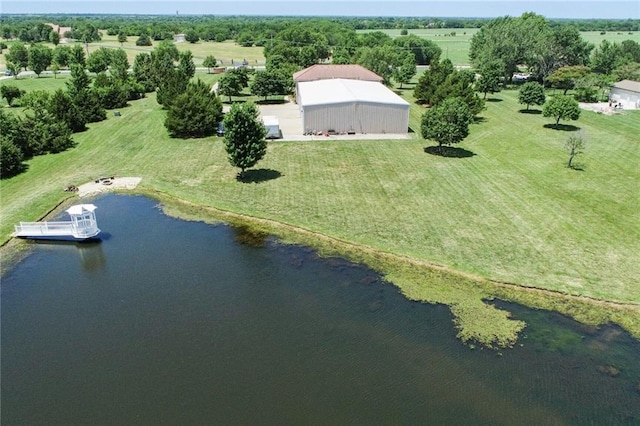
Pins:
x: 224, y: 52
x: 456, y: 48
x: 510, y: 211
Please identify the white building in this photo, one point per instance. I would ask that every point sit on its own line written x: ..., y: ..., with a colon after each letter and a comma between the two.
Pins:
x: 626, y: 92
x: 351, y: 106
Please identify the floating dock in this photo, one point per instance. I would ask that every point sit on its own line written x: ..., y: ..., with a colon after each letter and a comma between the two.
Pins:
x: 82, y: 225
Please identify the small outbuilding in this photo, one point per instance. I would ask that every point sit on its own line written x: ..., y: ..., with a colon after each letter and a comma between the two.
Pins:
x: 627, y: 93
x: 351, y: 106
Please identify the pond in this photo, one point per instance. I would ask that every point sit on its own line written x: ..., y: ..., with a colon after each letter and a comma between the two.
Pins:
x: 167, y: 321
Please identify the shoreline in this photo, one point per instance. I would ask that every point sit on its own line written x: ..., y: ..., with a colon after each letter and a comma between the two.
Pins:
x: 467, y: 295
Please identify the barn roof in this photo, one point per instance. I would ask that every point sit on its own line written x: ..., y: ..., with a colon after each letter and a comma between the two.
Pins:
x: 341, y: 91
x: 632, y: 86
x: 328, y: 71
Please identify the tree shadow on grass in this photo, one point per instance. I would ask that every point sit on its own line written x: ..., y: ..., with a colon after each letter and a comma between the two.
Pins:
x: 493, y: 100
x: 563, y: 127
x: 449, y: 151
x: 258, y: 175
x: 530, y: 111
x: 18, y: 170
x: 271, y: 102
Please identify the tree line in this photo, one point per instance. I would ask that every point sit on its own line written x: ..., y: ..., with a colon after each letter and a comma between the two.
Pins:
x: 29, y: 28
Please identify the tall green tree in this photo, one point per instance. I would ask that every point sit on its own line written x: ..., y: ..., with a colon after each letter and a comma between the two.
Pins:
x: 271, y: 82
x: 607, y: 57
x: 143, y: 72
x: 514, y: 41
x: 244, y: 137
x: 431, y: 80
x: 63, y: 109
x: 62, y: 56
x: 229, y: 84
x: 405, y: 72
x: 78, y: 56
x: 447, y: 123
x: 18, y: 55
x: 209, y: 62
x: 83, y: 97
x: 40, y: 58
x: 186, y: 67
x: 382, y: 60
x: 99, y: 60
x: 531, y: 93
x: 195, y: 113
x: 11, y: 158
x: 122, y: 38
x: 489, y: 81
x: 561, y: 108
x: 54, y: 38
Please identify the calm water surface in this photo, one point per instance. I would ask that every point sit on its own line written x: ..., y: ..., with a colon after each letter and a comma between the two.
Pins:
x: 174, y: 322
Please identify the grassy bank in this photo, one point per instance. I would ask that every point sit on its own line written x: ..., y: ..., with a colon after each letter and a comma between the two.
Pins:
x: 506, y: 210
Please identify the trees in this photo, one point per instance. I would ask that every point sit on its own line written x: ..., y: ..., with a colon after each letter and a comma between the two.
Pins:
x: 195, y: 113
x: 244, y: 137
x: 574, y: 145
x: 405, y: 72
x: 380, y: 59
x: 447, y: 123
x: 77, y: 56
x: 192, y: 36
x: 10, y: 93
x: 489, y: 81
x: 514, y: 41
x: 54, y: 38
x: 425, y: 51
x: 531, y: 93
x: 11, y: 158
x: 209, y: 62
x: 230, y: 84
x: 271, y: 82
x: 561, y: 107
x: 85, y: 99
x: 144, y: 40
x: 607, y: 57
x: 143, y: 72
x: 122, y: 37
x: 431, y: 80
x: 64, y: 110
x: 18, y: 55
x: 185, y: 64
x: 99, y: 60
x: 39, y: 58
x: 566, y: 77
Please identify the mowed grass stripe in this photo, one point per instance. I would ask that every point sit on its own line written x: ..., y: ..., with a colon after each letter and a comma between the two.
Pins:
x: 511, y: 212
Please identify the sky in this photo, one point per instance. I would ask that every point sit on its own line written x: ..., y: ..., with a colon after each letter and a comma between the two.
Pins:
x: 581, y: 9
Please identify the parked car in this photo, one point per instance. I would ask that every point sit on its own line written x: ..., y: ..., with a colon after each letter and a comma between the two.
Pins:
x: 8, y: 73
x: 220, y: 129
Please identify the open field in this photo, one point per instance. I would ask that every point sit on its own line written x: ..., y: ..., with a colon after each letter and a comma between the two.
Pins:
x: 508, y: 209
x: 224, y: 52
x: 456, y: 48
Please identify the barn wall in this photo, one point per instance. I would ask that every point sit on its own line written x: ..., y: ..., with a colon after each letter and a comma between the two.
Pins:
x: 357, y: 117
x: 629, y: 99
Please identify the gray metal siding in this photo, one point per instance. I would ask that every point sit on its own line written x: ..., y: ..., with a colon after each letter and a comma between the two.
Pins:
x: 357, y: 117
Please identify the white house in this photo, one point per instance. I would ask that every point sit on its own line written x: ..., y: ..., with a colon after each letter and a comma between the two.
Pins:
x: 626, y: 92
